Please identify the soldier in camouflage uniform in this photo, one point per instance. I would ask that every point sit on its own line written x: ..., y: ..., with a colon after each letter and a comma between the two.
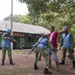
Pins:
x: 67, y: 44
x: 42, y: 48
x: 6, y: 45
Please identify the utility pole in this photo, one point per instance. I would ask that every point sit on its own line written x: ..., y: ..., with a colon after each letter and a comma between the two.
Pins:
x: 12, y: 17
x: 11, y: 22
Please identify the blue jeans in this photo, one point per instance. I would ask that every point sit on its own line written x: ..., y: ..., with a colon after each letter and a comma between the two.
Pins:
x: 53, y: 53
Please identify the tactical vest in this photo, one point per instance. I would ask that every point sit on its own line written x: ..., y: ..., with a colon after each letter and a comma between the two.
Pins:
x: 66, y: 40
x: 43, y: 43
x: 6, y: 42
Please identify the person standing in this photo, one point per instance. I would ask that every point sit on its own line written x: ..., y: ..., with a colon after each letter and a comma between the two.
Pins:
x: 42, y: 48
x: 53, y: 39
x: 21, y: 43
x: 67, y: 44
x: 6, y: 45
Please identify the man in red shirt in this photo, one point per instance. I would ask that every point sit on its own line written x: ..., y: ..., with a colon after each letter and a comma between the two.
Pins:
x: 53, y: 39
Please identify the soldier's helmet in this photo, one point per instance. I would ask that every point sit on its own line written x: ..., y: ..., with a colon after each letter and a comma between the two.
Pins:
x: 64, y: 27
x: 8, y: 30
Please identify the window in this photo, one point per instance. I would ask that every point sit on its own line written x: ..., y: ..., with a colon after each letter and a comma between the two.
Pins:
x: 30, y: 38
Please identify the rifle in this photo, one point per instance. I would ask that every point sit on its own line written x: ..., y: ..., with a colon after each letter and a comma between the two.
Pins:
x: 34, y: 46
x: 10, y: 36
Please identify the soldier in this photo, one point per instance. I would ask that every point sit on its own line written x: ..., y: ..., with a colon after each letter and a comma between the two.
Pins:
x: 42, y: 48
x: 6, y: 45
x: 67, y: 44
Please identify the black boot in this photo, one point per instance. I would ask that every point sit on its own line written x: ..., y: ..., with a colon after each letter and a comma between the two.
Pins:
x: 35, y: 67
x: 73, y: 64
x: 11, y: 62
x: 62, y: 63
x: 46, y: 71
x: 2, y: 63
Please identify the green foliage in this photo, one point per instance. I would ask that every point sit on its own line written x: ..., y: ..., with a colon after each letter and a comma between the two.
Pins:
x: 52, y: 12
x: 48, y: 12
x: 20, y: 18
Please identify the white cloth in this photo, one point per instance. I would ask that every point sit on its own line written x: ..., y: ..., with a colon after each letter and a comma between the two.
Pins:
x: 51, y: 36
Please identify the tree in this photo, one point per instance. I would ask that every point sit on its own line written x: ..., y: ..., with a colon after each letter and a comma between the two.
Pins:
x: 37, y: 7
x: 51, y: 12
x: 20, y: 18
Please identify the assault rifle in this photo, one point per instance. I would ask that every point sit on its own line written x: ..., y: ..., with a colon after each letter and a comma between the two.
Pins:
x: 10, y: 36
x: 34, y: 46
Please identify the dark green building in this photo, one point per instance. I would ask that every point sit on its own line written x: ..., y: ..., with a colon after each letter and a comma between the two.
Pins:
x: 25, y: 34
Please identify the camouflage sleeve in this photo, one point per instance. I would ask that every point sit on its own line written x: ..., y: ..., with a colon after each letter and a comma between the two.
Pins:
x: 4, y: 36
x: 72, y: 41
x: 61, y: 42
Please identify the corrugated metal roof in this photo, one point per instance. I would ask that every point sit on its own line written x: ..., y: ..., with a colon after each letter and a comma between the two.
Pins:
x: 23, y: 28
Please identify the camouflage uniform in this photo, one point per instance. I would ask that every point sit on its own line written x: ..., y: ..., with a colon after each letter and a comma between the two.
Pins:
x: 6, y: 45
x: 67, y: 43
x: 42, y: 48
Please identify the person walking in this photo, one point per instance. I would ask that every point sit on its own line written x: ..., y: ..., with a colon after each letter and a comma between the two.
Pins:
x: 6, y: 45
x: 67, y: 44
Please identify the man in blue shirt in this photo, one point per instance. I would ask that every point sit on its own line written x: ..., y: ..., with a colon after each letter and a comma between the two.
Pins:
x: 6, y: 45
x: 67, y: 44
x: 42, y: 48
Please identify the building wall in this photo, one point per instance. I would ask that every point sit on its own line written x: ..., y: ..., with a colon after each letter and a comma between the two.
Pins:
x: 26, y: 40
x: 23, y: 40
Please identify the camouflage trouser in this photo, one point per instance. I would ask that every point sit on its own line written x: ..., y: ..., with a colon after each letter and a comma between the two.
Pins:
x: 4, y: 52
x: 44, y: 53
x: 64, y: 50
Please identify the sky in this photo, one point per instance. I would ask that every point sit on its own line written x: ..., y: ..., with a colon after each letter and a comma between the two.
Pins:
x: 18, y: 8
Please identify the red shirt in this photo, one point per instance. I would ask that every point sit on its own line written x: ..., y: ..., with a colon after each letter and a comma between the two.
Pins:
x: 54, y: 39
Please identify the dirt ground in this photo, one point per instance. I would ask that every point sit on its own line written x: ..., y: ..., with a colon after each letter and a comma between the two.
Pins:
x: 24, y: 66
